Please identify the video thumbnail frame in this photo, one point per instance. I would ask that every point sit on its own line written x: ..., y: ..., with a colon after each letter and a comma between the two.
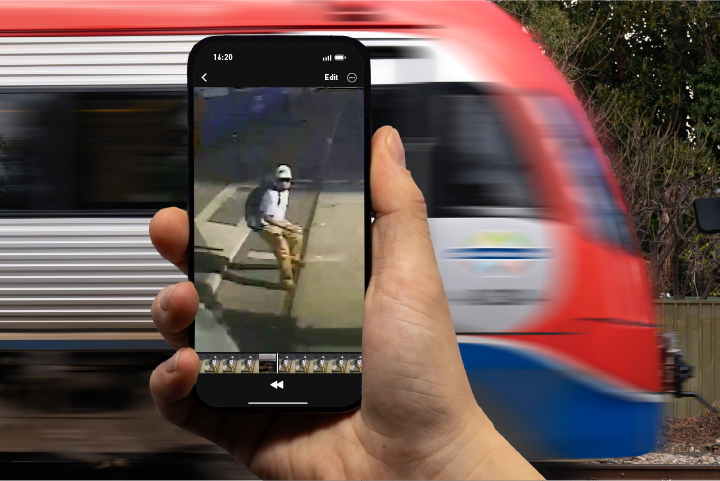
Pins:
x: 280, y: 363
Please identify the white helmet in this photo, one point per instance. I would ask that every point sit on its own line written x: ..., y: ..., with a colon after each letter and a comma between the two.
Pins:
x: 283, y: 172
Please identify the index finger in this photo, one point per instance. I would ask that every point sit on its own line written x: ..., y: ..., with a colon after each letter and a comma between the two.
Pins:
x: 169, y: 233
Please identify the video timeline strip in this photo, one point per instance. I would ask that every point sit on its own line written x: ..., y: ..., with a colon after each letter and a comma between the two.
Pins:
x: 272, y: 363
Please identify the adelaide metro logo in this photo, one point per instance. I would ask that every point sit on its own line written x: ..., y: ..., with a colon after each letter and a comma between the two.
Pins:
x: 497, y: 254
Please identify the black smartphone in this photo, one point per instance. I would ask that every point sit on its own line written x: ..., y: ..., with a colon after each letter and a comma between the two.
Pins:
x: 279, y: 199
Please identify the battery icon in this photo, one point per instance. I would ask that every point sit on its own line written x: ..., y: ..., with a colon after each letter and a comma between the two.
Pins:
x: 339, y: 58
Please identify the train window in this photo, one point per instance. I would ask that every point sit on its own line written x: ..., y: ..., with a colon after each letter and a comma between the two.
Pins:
x: 402, y: 106
x: 459, y: 149
x: 604, y: 220
x: 476, y: 165
x: 405, y: 107
x: 88, y: 151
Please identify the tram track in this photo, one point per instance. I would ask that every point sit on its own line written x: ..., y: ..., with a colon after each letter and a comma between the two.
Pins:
x: 208, y: 464
x: 580, y: 471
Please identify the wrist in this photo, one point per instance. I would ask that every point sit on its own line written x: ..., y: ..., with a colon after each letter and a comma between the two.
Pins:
x: 480, y: 452
x: 499, y: 459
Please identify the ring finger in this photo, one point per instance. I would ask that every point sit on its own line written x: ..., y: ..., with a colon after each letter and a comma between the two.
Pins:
x: 174, y: 310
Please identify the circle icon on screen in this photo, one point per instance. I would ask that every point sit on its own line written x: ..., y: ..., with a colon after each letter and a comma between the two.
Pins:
x: 351, y: 77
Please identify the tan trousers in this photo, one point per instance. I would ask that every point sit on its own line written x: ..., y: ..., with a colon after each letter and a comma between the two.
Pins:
x: 286, y: 246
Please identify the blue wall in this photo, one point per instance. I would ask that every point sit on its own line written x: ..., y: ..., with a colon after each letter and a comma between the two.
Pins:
x: 233, y: 112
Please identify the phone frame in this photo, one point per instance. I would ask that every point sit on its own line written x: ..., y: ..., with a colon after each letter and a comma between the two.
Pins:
x: 367, y: 136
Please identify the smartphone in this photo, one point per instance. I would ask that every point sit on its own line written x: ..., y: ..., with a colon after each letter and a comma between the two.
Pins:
x: 279, y: 196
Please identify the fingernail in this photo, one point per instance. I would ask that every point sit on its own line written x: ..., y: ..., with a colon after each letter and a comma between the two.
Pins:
x: 396, y: 147
x: 171, y: 364
x: 165, y: 297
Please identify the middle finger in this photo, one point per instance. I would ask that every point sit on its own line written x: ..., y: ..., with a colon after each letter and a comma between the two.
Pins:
x: 174, y: 310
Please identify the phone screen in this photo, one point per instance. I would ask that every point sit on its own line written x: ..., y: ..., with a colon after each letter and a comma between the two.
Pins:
x: 281, y: 220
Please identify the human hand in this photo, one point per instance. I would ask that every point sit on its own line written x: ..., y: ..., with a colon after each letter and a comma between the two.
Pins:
x: 418, y: 418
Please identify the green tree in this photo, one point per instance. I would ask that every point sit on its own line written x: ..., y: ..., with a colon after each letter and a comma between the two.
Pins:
x: 657, y: 48
x: 648, y: 75
x: 705, y: 110
x: 648, y: 50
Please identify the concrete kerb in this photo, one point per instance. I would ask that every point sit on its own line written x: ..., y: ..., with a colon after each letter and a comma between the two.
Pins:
x: 207, y: 283
x: 210, y: 333
x: 286, y: 307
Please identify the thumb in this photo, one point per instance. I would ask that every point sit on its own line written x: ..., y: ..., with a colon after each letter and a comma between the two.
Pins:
x: 403, y: 255
x: 392, y: 186
x: 410, y: 352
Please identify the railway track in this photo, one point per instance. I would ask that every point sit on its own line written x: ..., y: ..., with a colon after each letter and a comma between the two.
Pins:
x: 572, y: 470
x: 213, y: 465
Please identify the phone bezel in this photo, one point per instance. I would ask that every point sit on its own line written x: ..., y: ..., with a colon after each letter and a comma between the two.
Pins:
x: 367, y: 135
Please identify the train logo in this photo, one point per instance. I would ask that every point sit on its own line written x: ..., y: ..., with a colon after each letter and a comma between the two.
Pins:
x: 498, y: 254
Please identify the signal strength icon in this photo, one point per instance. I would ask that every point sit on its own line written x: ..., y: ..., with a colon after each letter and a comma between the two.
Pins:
x: 327, y: 59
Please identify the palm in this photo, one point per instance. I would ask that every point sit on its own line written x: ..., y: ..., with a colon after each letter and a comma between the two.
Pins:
x: 286, y: 446
x: 399, y: 384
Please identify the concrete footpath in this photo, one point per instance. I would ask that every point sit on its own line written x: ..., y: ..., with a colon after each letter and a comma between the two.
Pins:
x: 329, y: 302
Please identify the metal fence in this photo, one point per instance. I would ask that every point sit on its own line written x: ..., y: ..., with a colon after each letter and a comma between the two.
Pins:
x: 697, y: 324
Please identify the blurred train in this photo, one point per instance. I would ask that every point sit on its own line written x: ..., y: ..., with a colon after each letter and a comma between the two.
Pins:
x: 547, y: 290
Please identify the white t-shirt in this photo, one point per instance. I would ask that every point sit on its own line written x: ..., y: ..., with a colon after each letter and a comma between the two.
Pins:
x: 275, y: 204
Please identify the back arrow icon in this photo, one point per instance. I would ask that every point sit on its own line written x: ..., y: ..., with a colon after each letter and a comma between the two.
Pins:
x: 277, y: 384
x: 203, y: 76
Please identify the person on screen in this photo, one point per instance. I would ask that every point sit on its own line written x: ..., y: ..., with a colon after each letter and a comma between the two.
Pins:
x: 285, y: 237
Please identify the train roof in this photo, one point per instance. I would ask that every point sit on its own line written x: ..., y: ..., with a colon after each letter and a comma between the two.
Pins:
x: 507, y: 53
x: 87, y: 17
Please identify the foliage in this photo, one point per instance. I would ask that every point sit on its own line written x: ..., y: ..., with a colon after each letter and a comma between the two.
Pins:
x: 654, y: 49
x: 648, y: 74
x: 705, y: 110
x: 661, y: 174
x: 648, y: 50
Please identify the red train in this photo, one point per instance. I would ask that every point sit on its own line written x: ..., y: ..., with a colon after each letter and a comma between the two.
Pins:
x: 547, y: 289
